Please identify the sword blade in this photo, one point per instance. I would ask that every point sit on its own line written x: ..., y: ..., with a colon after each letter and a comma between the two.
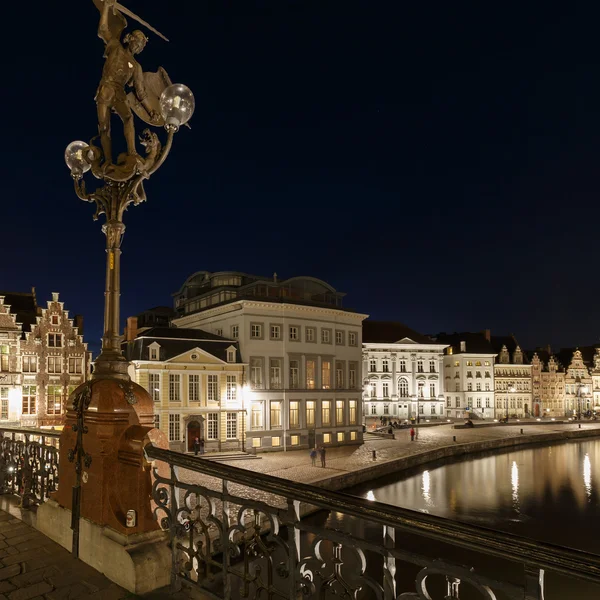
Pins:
x: 127, y: 12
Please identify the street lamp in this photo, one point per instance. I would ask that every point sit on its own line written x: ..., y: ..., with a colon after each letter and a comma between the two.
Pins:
x: 581, y: 391
x: 160, y: 104
x: 511, y: 390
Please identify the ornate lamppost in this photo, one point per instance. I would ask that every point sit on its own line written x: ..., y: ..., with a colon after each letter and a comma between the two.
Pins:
x: 110, y: 482
x: 156, y: 102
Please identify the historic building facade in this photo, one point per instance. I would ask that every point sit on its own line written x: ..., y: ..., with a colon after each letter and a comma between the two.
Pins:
x: 468, y: 374
x: 402, y: 373
x: 303, y: 351
x: 513, y: 380
x: 596, y: 380
x: 195, y: 379
x: 548, y: 384
x: 46, y: 359
x: 578, y: 386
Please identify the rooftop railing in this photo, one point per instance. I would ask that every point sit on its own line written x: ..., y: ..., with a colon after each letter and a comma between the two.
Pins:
x: 236, y: 533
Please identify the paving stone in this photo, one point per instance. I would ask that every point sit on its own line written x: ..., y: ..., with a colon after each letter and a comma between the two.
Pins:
x: 112, y: 592
x: 31, y: 591
x: 6, y: 586
x: 23, y: 537
x: 69, y: 592
x: 34, y: 542
x: 30, y: 577
x: 23, y: 556
x: 9, y: 572
x: 16, y: 533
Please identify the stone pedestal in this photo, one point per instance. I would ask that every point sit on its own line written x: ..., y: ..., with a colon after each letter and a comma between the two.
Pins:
x: 119, y: 422
x: 139, y: 562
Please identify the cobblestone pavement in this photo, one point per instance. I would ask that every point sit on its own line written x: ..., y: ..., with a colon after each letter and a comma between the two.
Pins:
x: 34, y: 567
x: 296, y: 465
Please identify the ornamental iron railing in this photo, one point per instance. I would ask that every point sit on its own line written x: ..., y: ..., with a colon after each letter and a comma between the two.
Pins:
x: 29, y: 464
x: 236, y: 533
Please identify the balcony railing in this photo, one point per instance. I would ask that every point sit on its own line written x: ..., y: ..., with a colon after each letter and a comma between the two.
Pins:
x: 237, y: 533
x: 29, y: 464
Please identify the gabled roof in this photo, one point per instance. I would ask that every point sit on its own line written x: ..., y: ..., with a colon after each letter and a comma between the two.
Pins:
x: 24, y: 305
x: 476, y: 343
x: 391, y: 332
x: 511, y: 343
x: 587, y: 353
x: 174, y: 341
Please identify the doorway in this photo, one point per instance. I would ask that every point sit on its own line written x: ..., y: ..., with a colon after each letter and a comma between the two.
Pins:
x: 194, y: 430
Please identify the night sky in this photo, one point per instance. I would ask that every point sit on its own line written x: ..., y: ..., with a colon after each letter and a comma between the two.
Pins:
x: 438, y: 162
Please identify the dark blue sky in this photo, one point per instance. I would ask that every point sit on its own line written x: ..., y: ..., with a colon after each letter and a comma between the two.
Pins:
x: 438, y: 162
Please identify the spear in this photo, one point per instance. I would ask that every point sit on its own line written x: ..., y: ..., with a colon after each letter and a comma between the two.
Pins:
x: 126, y: 11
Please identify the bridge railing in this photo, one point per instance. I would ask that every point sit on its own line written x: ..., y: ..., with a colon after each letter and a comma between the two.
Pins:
x: 236, y: 533
x: 29, y: 464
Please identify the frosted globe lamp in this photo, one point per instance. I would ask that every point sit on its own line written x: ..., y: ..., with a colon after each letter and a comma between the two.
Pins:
x: 75, y: 157
x: 177, y: 106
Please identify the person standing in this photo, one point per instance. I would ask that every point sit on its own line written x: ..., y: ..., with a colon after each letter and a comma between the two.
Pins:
x: 196, y: 446
x: 201, y: 446
x: 412, y: 434
x: 322, y: 453
x: 313, y: 457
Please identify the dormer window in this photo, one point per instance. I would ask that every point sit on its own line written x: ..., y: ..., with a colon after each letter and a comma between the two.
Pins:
x: 231, y: 355
x: 54, y: 319
x: 154, y: 351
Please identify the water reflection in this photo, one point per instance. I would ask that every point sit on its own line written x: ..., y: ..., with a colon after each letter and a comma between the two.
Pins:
x: 522, y: 491
x: 587, y: 475
x: 514, y: 480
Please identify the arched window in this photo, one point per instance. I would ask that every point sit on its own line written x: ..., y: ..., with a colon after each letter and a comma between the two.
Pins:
x: 403, y: 388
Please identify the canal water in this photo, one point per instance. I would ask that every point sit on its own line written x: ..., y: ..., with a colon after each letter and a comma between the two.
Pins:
x: 551, y: 494
x: 548, y: 493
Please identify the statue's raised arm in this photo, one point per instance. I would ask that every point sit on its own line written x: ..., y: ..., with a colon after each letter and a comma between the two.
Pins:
x: 112, y: 22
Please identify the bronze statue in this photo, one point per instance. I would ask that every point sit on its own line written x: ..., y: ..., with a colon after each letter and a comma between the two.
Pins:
x: 121, y: 70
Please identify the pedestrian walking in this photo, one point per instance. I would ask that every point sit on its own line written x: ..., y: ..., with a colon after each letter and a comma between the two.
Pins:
x: 201, y: 446
x: 313, y: 457
x: 412, y: 434
x: 196, y: 446
x: 322, y: 453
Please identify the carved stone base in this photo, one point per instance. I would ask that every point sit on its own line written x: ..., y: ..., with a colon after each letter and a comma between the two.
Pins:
x: 139, y: 563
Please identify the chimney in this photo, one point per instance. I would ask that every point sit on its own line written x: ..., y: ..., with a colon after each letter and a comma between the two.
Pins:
x: 131, y: 329
x: 275, y: 277
x: 79, y: 324
x: 463, y: 346
x: 487, y: 334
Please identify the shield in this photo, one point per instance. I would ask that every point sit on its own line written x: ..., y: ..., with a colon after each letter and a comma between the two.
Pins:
x: 154, y: 83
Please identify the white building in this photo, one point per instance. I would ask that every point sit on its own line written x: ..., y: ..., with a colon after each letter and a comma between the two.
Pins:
x: 514, y: 380
x: 303, y: 350
x: 468, y: 374
x: 402, y: 373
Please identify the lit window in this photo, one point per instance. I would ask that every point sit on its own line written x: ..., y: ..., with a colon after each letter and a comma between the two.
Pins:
x: 256, y: 442
x: 212, y: 429
x: 275, y: 380
x: 275, y: 415
x: 231, y: 387
x: 339, y: 412
x: 310, y: 413
x: 326, y: 412
x: 340, y: 436
x: 256, y: 373
x: 311, y: 368
x: 352, y: 411
x: 256, y: 415
x: 294, y: 374
x: 353, y: 435
x: 326, y: 438
x: 326, y: 374
x: 154, y: 386
x: 54, y: 400
x: 275, y: 442
x: 294, y: 414
x: 294, y: 440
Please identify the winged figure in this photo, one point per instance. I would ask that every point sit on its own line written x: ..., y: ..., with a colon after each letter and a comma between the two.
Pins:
x: 121, y: 71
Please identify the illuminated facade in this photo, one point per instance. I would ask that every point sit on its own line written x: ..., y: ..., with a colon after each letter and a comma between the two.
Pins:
x: 578, y: 386
x: 303, y: 350
x: 596, y: 380
x: 468, y: 374
x: 195, y: 380
x: 402, y: 373
x: 513, y: 380
x: 548, y: 384
x: 42, y: 359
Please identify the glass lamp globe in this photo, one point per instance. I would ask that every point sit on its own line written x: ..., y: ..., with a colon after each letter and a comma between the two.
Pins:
x: 177, y: 105
x: 75, y: 158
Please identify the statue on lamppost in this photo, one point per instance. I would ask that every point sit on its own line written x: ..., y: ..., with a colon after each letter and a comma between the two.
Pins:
x: 110, y: 419
x: 157, y: 102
